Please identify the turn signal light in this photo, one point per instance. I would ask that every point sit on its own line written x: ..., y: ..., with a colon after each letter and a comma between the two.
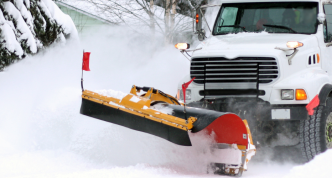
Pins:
x: 318, y: 58
x: 197, y: 18
x: 294, y: 44
x: 182, y: 46
x: 300, y: 94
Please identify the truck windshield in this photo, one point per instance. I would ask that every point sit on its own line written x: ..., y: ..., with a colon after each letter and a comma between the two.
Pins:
x: 272, y: 17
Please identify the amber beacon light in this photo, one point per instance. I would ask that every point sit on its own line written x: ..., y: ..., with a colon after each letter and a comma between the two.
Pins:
x: 182, y: 46
x: 294, y: 44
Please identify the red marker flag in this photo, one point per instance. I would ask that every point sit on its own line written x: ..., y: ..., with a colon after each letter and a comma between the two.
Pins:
x: 184, y: 88
x: 312, y: 105
x: 85, y: 65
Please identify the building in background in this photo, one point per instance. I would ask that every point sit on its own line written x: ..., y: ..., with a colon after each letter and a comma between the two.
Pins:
x: 85, y: 22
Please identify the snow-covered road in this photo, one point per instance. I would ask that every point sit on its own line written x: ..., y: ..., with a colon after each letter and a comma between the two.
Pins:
x: 42, y: 133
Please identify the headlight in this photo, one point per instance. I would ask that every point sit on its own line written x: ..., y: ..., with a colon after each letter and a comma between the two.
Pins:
x: 188, y: 94
x: 287, y: 94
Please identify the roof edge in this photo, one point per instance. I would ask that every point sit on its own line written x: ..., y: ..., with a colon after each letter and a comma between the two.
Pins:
x: 84, y: 12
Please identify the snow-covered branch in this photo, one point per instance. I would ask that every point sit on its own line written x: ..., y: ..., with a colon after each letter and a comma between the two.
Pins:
x: 27, y: 26
x: 142, y: 15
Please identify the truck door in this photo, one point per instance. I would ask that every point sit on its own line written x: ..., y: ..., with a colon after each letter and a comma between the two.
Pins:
x: 326, y: 47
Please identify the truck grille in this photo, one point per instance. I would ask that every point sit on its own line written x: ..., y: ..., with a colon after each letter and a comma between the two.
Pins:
x: 238, y: 73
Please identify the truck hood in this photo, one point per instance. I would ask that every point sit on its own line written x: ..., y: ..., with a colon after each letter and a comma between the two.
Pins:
x: 253, y: 41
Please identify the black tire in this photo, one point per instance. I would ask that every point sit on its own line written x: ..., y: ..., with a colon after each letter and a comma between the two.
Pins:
x: 316, y: 132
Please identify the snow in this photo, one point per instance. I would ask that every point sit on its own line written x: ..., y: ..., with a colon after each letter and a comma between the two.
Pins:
x: 53, y: 11
x: 22, y: 27
x: 42, y: 133
x: 25, y: 13
x: 229, y: 156
x: 161, y: 108
x: 135, y: 99
x: 318, y: 167
x: 27, y: 3
x: 111, y: 93
x: 8, y: 35
x: 116, y: 105
x: 12, y: 36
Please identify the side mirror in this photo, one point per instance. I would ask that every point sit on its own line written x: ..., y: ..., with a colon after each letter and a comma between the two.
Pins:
x: 201, y: 35
x: 199, y: 30
x: 321, y: 18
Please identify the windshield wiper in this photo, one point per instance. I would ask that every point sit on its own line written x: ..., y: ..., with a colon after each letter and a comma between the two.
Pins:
x: 280, y: 26
x: 236, y: 26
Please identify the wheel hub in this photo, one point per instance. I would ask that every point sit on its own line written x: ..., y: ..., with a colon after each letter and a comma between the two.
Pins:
x: 329, y: 131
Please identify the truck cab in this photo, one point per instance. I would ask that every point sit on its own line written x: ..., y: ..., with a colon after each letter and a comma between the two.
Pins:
x: 266, y: 61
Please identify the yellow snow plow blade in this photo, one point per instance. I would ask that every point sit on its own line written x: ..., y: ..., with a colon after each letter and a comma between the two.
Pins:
x: 141, y: 108
x: 139, y: 113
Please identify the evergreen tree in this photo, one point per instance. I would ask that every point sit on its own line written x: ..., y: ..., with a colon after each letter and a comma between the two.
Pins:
x: 43, y: 30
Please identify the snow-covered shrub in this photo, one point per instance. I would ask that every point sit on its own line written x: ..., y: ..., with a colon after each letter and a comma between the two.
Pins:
x: 27, y: 26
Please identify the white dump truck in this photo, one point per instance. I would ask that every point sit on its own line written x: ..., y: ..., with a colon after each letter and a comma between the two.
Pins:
x: 270, y: 62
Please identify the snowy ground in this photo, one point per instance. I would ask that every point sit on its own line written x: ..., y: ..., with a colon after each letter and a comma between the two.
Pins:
x: 42, y: 133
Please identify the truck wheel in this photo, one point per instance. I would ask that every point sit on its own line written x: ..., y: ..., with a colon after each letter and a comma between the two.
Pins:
x: 316, y: 132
